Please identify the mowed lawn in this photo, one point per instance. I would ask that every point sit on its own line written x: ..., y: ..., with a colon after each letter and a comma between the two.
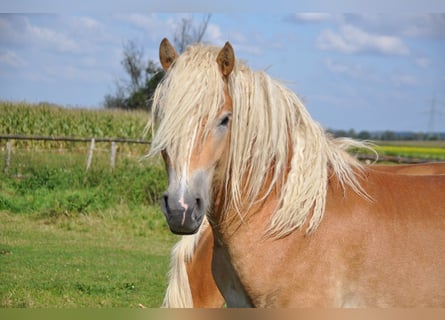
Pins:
x: 113, y: 260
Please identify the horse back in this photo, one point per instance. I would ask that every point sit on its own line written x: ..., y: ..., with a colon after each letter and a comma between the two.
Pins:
x: 431, y: 168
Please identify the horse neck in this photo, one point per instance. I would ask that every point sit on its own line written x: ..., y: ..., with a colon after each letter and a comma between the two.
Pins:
x: 224, y: 217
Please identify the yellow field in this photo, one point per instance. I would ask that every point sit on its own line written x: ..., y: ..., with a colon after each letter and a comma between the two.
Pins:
x: 420, y: 151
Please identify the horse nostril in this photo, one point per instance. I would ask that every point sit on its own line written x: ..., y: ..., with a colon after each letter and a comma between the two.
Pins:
x: 198, y: 202
x: 165, y: 199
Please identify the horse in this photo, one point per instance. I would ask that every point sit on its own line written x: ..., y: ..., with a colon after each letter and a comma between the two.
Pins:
x: 420, y: 169
x: 191, y: 282
x: 296, y: 220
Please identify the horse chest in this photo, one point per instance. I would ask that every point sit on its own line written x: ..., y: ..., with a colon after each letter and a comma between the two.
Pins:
x: 227, y: 279
x: 283, y: 273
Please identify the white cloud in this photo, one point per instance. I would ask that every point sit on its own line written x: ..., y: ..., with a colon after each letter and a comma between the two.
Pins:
x: 352, y: 40
x: 18, y: 30
x: 11, y: 59
x: 87, y: 22
x: 144, y: 21
x: 238, y: 36
x: 86, y: 29
x: 428, y: 25
x: 154, y: 27
x: 422, y: 62
x: 353, y: 70
x: 311, y: 17
x: 57, y: 48
x: 213, y: 34
x: 51, y: 38
x: 249, y: 49
x: 404, y: 80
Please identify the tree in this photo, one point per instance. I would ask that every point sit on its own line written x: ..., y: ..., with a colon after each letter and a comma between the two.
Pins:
x: 188, y: 33
x: 364, y: 135
x: 137, y: 89
x: 116, y: 100
x: 133, y: 63
x: 388, y: 135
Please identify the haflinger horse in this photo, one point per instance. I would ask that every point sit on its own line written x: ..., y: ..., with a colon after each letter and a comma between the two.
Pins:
x: 191, y: 282
x: 296, y: 220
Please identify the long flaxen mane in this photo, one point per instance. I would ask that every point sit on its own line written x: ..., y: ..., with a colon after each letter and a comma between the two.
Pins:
x: 178, y: 293
x: 274, y: 143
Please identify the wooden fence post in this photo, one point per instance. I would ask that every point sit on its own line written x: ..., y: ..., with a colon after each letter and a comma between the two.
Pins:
x: 113, y: 155
x: 8, y: 156
x: 90, y: 154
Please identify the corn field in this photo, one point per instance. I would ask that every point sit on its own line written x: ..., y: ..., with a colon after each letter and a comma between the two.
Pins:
x: 21, y: 118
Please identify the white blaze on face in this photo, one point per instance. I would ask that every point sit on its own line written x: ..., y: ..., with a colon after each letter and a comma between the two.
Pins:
x: 182, y: 186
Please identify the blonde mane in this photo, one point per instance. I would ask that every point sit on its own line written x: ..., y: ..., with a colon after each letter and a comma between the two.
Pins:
x: 178, y: 293
x: 275, y: 144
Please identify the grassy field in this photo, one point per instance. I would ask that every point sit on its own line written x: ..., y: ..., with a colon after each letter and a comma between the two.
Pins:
x: 71, y: 238
x: 434, y: 150
x: 117, y: 258
x: 420, y: 150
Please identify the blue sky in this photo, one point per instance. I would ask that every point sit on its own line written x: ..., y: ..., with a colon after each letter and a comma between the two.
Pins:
x: 367, y: 71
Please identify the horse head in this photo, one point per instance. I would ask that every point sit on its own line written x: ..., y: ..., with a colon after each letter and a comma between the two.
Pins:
x: 191, y: 172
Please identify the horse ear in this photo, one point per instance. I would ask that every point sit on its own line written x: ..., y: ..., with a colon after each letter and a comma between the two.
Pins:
x: 167, y: 54
x: 226, y: 59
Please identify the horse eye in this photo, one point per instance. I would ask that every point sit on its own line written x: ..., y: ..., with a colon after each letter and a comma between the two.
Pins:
x: 224, y: 121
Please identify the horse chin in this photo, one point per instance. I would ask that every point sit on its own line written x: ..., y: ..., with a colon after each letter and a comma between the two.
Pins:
x: 184, y: 232
x: 185, y: 229
x: 185, y: 223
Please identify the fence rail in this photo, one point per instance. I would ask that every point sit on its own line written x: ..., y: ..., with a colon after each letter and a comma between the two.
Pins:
x: 92, y: 142
x: 114, y: 141
x: 71, y: 139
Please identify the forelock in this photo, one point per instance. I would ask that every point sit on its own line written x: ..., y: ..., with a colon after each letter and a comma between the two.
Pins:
x: 188, y: 98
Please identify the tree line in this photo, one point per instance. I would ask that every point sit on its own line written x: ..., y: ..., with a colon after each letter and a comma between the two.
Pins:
x: 387, y: 135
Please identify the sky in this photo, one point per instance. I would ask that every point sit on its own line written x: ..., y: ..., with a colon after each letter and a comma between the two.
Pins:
x: 365, y: 71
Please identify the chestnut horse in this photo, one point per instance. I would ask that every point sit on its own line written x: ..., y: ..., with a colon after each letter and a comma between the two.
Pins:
x: 191, y: 282
x: 296, y: 220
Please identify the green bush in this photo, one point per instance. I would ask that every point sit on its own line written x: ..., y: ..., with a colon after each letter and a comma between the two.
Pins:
x: 60, y: 190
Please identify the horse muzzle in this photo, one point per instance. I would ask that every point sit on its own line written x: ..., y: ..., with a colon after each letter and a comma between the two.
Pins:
x: 184, y: 214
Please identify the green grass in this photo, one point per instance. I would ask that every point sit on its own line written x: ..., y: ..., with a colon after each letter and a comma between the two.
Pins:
x: 55, y: 183
x: 414, y: 143
x: 71, y: 238
x: 116, y: 259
